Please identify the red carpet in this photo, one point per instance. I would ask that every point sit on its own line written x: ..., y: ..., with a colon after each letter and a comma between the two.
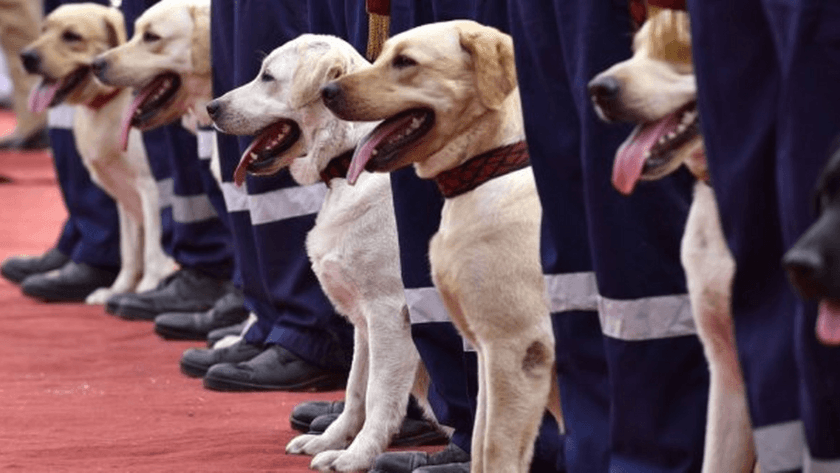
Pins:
x: 81, y: 390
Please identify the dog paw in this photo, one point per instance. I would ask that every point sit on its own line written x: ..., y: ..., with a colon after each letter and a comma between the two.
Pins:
x: 147, y: 284
x: 308, y: 444
x: 340, y: 460
x: 99, y: 296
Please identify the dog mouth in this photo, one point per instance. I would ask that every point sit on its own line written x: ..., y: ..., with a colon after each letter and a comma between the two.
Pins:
x: 650, y: 150
x: 383, y: 145
x: 267, y: 149
x: 51, y: 92
x: 148, y: 102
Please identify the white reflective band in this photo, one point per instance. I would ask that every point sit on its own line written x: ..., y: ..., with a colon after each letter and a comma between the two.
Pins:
x: 283, y: 204
x: 205, y: 143
x: 813, y: 465
x: 425, y: 306
x: 646, y: 319
x: 572, y: 291
x: 166, y: 189
x: 192, y: 208
x: 779, y: 447
x: 61, y: 117
x: 236, y: 199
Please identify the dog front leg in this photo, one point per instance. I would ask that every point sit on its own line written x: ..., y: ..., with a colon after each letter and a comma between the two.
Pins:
x: 339, y: 434
x: 156, y: 264
x: 517, y: 381
x: 131, y: 266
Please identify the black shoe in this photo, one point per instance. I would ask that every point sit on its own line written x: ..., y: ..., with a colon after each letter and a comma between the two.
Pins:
x: 406, y: 462
x: 275, y: 369
x: 18, y: 268
x: 220, y: 333
x: 412, y: 433
x: 36, y: 141
x: 196, y: 361
x: 228, y: 310
x: 304, y: 413
x: 448, y: 468
x: 186, y: 290
x: 72, y: 283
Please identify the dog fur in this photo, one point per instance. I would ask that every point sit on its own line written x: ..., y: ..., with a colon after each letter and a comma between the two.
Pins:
x: 168, y: 62
x: 655, y: 84
x: 457, y: 82
x: 353, y: 245
x: 71, y: 37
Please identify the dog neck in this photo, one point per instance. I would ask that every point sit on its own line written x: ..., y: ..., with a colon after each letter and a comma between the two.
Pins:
x: 489, y: 130
x: 482, y: 168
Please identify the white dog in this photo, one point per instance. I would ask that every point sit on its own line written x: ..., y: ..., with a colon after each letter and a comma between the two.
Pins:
x: 353, y: 246
x: 656, y: 89
x: 72, y: 36
x: 449, y: 97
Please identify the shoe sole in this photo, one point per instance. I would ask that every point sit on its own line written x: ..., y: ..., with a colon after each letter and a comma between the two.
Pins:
x: 168, y: 333
x: 322, y: 383
x: 193, y: 371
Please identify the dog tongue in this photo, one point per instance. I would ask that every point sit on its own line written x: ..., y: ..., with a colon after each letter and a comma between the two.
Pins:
x: 244, y: 162
x: 630, y: 157
x: 42, y: 95
x: 125, y: 125
x: 364, y: 150
x: 828, y: 322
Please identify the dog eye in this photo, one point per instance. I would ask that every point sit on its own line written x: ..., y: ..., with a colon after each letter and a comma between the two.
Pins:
x: 266, y: 77
x: 150, y: 37
x: 71, y: 36
x: 401, y: 62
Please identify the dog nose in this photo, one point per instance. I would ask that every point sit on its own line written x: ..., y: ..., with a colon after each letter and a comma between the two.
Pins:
x: 31, y: 61
x: 805, y: 269
x: 330, y: 93
x: 213, y: 108
x: 604, y: 89
x: 99, y: 65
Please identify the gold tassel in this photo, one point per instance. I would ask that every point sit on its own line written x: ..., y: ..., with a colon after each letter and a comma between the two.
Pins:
x: 378, y: 28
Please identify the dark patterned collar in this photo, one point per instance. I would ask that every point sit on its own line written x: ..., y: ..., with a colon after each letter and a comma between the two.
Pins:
x: 337, y: 167
x: 101, y: 100
x: 480, y: 169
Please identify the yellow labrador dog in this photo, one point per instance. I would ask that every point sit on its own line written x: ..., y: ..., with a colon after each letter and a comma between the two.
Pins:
x: 449, y: 98
x: 353, y: 246
x: 656, y: 90
x: 72, y: 36
x: 167, y: 61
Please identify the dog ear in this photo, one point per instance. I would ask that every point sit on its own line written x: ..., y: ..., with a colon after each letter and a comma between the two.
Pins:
x: 114, y: 28
x: 200, y: 40
x: 493, y: 63
x: 309, y: 78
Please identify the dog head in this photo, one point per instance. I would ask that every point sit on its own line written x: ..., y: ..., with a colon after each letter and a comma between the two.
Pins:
x: 446, y: 92
x: 282, y: 106
x: 813, y: 263
x: 167, y: 61
x: 71, y: 37
x: 655, y: 90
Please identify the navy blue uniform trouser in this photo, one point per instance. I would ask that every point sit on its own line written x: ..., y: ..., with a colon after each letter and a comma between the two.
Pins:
x: 270, y: 216
x: 767, y: 74
x: 648, y: 414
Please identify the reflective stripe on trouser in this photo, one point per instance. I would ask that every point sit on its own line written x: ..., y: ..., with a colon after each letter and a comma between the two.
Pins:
x: 270, y: 216
x: 91, y: 232
x: 658, y: 387
x: 193, y: 214
x: 771, y: 140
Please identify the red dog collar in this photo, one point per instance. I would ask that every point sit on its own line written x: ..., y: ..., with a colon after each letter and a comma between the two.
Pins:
x: 480, y: 169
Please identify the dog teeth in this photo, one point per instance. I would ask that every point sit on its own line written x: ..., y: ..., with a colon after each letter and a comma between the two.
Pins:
x: 374, y: 152
x: 647, y: 154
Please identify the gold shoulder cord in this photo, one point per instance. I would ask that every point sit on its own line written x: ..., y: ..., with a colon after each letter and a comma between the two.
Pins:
x: 379, y: 23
